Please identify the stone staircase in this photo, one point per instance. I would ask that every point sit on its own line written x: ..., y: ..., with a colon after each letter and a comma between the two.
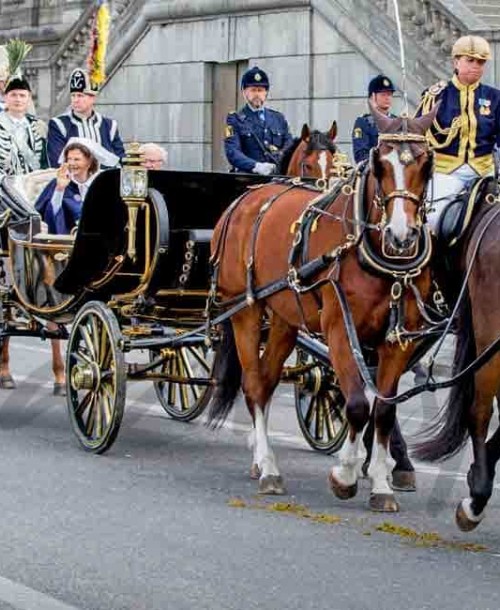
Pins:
x: 487, y: 10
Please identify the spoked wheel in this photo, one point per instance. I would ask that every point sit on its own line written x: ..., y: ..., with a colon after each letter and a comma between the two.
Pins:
x: 320, y: 406
x: 95, y: 377
x: 192, y: 366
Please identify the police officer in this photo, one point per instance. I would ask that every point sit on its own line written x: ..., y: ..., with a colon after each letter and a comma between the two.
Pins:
x: 256, y: 135
x: 82, y: 121
x: 467, y: 125
x: 365, y: 132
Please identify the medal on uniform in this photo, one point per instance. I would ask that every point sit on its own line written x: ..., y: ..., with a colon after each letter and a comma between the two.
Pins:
x: 484, y: 106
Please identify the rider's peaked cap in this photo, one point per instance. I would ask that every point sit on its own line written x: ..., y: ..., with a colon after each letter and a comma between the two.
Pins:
x: 79, y: 82
x: 255, y: 77
x: 380, y: 83
x: 471, y: 46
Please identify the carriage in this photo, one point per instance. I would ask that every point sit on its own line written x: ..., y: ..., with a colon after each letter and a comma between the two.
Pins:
x: 133, y: 280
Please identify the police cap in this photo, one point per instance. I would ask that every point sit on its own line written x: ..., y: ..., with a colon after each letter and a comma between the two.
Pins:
x: 380, y: 83
x: 255, y: 77
x: 471, y: 46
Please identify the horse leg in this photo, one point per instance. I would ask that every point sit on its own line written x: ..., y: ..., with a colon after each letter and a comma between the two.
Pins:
x: 343, y: 479
x: 257, y: 391
x: 470, y: 512
x: 6, y: 380
x: 392, y: 363
x: 403, y: 473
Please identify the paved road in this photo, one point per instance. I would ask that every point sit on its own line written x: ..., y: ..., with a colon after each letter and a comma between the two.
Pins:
x: 168, y: 519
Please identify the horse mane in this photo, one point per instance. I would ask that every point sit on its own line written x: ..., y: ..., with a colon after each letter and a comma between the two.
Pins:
x: 317, y: 141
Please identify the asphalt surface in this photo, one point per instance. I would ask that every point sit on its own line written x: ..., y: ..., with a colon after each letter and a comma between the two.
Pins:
x: 169, y: 519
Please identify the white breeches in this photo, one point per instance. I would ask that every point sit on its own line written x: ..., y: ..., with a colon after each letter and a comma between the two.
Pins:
x: 445, y: 187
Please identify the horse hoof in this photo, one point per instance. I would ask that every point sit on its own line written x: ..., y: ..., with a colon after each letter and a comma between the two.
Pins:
x: 344, y: 492
x: 404, y: 480
x: 272, y: 485
x: 255, y: 472
x: 464, y: 522
x: 383, y: 503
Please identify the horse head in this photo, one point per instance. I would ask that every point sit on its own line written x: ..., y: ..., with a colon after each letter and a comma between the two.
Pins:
x: 401, y: 166
x: 313, y: 154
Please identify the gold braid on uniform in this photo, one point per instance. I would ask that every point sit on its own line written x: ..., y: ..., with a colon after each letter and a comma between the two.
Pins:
x: 426, y: 105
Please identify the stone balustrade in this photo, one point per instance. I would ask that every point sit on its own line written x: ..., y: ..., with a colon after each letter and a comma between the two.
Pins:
x: 427, y: 22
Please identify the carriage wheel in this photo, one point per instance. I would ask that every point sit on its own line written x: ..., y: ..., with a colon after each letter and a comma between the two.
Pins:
x: 185, y: 401
x: 320, y: 406
x: 95, y: 377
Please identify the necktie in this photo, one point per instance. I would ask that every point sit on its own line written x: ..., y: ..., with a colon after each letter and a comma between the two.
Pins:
x: 261, y: 115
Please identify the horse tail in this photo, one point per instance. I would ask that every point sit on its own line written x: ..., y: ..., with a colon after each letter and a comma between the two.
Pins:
x: 227, y: 375
x: 451, y: 422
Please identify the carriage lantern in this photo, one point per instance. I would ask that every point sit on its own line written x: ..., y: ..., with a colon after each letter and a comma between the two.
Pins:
x: 133, y: 190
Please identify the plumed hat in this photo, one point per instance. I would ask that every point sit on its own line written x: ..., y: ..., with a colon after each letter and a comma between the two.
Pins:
x: 255, y: 77
x: 16, y: 51
x: 79, y: 82
x: 380, y: 83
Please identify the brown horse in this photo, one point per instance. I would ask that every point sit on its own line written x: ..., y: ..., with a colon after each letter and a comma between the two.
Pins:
x: 469, y: 407
x: 246, y: 252
x: 312, y: 155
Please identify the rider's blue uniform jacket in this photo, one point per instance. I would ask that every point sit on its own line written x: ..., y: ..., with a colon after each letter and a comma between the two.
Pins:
x: 250, y: 139
x: 364, y: 136
x: 467, y: 125
x: 97, y: 127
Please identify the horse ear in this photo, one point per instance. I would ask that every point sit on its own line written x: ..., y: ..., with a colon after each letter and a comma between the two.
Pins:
x: 332, y: 133
x: 305, y: 133
x: 422, y: 123
x: 384, y: 123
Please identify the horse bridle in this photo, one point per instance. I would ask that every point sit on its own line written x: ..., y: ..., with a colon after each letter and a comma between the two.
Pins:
x: 406, y: 157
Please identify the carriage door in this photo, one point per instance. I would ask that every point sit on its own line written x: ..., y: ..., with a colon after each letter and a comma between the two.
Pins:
x: 226, y: 97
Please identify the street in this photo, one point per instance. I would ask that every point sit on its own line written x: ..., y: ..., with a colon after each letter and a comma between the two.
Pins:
x: 169, y: 518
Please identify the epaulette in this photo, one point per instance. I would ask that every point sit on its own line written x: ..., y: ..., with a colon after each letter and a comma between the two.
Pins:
x: 437, y: 88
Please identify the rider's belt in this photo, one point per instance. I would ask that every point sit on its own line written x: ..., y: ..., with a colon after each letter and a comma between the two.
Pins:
x: 445, y: 164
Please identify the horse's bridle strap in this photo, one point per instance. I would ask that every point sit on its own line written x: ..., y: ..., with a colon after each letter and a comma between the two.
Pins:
x: 404, y: 194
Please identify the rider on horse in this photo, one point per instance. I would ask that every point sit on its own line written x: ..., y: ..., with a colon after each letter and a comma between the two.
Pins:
x: 467, y: 125
x: 256, y: 135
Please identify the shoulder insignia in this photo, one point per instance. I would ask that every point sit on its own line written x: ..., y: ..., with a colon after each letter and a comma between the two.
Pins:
x: 228, y: 131
x: 437, y: 87
x: 357, y: 133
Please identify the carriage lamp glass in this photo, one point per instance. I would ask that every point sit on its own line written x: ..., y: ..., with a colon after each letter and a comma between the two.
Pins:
x: 133, y: 182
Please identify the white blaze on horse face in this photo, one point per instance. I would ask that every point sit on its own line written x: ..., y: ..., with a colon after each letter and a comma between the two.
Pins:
x: 398, y: 223
x: 322, y: 162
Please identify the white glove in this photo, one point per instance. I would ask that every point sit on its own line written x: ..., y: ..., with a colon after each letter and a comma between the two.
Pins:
x: 264, y: 169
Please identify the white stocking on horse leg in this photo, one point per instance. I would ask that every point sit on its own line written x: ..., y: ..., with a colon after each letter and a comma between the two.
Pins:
x: 344, y: 478
x: 382, y: 497
x: 270, y: 481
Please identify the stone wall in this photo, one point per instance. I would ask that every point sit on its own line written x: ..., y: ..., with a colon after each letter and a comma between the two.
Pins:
x: 162, y: 91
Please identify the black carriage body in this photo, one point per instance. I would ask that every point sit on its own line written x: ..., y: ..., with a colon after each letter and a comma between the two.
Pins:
x: 169, y: 272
